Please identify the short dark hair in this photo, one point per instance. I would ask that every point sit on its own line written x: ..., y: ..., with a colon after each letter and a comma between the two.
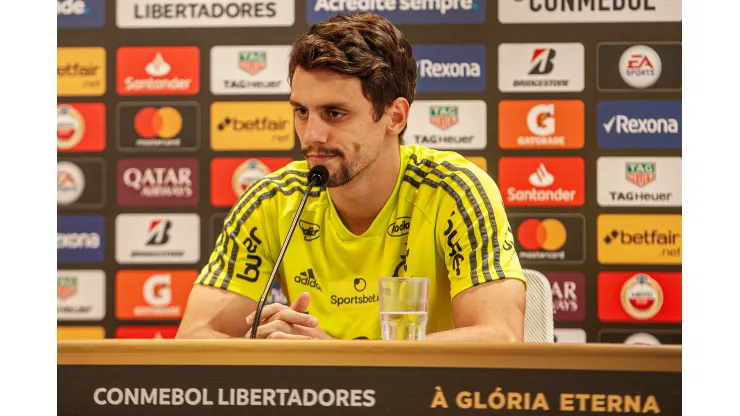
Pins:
x: 362, y: 45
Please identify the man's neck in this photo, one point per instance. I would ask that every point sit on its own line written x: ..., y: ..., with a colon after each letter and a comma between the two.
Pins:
x: 361, y: 200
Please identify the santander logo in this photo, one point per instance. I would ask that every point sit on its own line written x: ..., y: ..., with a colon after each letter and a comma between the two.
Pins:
x: 163, y: 70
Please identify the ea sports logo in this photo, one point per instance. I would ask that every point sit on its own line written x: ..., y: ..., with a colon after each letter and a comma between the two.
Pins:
x: 70, y: 127
x: 640, y: 66
x: 548, y: 234
x: 70, y: 183
x: 151, y: 123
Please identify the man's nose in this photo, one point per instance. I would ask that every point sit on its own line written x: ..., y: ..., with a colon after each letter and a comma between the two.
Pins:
x: 315, y: 130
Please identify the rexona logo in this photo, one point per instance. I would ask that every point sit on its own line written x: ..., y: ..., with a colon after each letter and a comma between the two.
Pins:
x: 158, y: 70
x: 639, y: 124
x: 399, y: 227
x: 542, y: 181
x: 639, y: 181
x: 448, y: 124
x: 160, y: 125
x: 541, y: 67
x: 402, y: 11
x: 639, y: 239
x: 450, y: 68
x: 79, y: 14
x: 231, y: 176
x: 641, y: 296
x: 157, y: 238
x: 533, y: 124
x: 80, y: 239
x: 80, y: 127
x: 158, y: 182
x: 204, y: 13
x: 250, y: 69
x: 549, y: 238
x: 585, y: 11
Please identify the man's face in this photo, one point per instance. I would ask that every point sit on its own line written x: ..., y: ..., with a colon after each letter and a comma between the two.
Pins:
x: 334, y: 122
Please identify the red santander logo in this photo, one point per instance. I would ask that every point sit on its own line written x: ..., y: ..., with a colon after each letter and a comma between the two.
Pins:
x: 542, y: 181
x: 158, y: 70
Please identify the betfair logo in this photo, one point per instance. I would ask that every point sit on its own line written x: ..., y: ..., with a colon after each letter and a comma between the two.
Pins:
x: 639, y: 239
x: 647, y: 237
x: 81, y: 71
x: 252, y: 126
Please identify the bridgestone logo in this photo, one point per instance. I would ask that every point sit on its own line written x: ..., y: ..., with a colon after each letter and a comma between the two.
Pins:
x: 178, y: 253
x: 429, y: 69
x: 541, y: 83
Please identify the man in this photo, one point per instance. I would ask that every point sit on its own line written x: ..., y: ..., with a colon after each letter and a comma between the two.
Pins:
x: 387, y: 210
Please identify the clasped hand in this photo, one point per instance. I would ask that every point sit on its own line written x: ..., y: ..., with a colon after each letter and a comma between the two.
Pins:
x: 282, y: 322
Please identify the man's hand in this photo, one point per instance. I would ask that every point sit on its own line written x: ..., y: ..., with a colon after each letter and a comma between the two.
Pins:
x: 281, y: 322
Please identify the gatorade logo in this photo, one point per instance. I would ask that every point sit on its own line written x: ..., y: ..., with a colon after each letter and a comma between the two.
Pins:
x: 399, y: 227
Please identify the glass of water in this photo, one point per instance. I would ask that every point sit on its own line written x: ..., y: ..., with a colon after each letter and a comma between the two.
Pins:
x: 403, y: 307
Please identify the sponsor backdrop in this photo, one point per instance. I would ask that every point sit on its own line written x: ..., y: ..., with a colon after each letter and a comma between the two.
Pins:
x: 167, y: 110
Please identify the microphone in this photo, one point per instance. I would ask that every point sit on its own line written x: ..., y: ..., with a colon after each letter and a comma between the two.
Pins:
x: 317, y: 176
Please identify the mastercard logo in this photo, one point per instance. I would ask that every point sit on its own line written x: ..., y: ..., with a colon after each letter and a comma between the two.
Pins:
x: 164, y: 123
x: 548, y: 234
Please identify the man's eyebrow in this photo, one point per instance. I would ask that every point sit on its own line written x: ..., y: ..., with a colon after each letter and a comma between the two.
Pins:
x: 336, y: 104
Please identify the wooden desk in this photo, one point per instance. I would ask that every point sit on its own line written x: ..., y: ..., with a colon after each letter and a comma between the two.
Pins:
x: 239, y: 377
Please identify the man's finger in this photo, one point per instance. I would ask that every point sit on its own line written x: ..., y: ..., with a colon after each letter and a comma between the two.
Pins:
x: 296, y: 318
x: 283, y: 335
x: 301, y: 302
x: 266, y: 329
x: 267, y: 312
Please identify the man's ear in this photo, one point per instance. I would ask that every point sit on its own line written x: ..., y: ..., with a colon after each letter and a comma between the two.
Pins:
x: 398, y: 113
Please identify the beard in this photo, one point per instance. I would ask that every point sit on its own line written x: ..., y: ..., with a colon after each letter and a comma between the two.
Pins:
x: 346, y: 172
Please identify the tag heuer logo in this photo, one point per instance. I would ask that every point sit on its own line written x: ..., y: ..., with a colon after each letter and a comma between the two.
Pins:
x: 252, y: 62
x: 443, y: 117
x: 641, y: 174
x: 66, y: 287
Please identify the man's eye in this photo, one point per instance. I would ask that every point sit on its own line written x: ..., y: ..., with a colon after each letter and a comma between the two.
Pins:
x: 301, y: 111
x: 335, y: 114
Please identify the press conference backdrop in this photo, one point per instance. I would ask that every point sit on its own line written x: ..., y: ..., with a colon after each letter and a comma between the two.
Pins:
x: 168, y: 110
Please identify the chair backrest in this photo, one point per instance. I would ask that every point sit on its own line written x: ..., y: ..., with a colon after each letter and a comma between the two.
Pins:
x: 538, y: 318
